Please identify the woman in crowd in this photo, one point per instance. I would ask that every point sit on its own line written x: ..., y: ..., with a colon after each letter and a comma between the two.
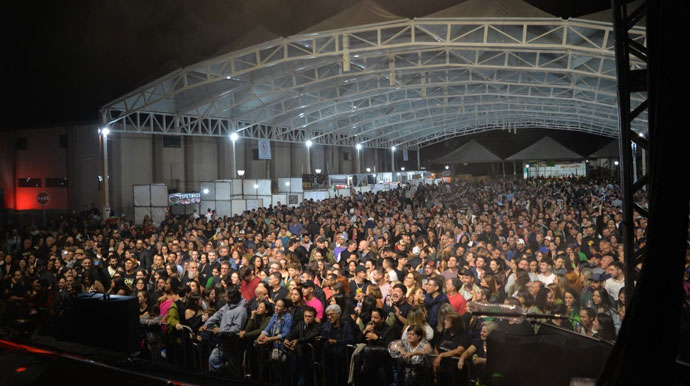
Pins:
x: 297, y: 300
x: 478, y: 352
x: 451, y: 342
x: 602, y: 304
x: 572, y: 306
x: 603, y: 327
x: 413, y: 349
x: 417, y: 317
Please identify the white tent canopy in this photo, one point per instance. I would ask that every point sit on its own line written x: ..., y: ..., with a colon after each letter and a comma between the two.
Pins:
x: 491, y: 8
x: 546, y: 149
x: 362, y: 13
x: 471, y: 152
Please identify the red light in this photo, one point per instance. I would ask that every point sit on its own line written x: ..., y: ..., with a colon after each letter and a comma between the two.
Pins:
x: 20, y: 369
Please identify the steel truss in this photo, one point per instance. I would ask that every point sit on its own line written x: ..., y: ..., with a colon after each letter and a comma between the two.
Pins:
x: 630, y: 81
x: 407, y: 83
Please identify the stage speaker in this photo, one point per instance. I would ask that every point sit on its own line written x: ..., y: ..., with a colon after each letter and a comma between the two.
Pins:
x: 108, y: 322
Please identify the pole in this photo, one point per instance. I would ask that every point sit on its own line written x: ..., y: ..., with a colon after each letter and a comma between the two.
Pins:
x: 308, y: 160
x: 106, y: 193
x: 234, y: 161
x: 359, y: 163
x: 419, y: 162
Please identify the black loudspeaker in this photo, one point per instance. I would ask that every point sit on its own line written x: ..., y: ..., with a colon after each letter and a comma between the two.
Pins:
x: 108, y: 322
x: 552, y: 357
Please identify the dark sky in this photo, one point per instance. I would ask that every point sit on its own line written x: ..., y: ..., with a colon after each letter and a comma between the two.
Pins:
x: 62, y: 60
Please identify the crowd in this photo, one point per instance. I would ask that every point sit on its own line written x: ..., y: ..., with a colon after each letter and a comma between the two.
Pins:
x: 389, y: 274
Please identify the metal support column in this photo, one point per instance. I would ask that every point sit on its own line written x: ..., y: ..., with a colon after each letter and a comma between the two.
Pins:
x: 419, y: 162
x: 629, y: 81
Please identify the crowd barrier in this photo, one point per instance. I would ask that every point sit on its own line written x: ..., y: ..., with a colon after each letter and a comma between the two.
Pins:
x: 308, y: 365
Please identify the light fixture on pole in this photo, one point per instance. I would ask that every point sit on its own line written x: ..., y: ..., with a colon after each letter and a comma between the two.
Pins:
x: 233, y: 138
x: 106, y: 192
x: 309, y: 143
x: 240, y: 173
x: 318, y: 171
x: 368, y: 170
x: 447, y: 167
x: 393, y: 158
x: 402, y: 168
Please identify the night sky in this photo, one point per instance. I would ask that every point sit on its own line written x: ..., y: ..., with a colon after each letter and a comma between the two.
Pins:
x: 64, y: 59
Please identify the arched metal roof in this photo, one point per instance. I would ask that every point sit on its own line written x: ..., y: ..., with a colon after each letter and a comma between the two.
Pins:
x: 408, y: 83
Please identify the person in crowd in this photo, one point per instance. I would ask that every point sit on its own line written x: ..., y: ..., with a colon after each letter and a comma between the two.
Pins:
x: 413, y: 349
x: 477, y: 350
x: 603, y: 327
x: 434, y: 299
x: 336, y: 336
x: 227, y: 321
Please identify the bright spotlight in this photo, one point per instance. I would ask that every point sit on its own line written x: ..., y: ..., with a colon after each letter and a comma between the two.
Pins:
x: 447, y: 167
x: 616, y: 163
x: 234, y: 136
x: 393, y: 148
x: 205, y: 191
x: 402, y: 168
x: 256, y: 186
x: 240, y: 173
x: 318, y: 171
x: 368, y: 170
x: 309, y: 143
x: 359, y: 146
x: 105, y: 131
x: 287, y: 183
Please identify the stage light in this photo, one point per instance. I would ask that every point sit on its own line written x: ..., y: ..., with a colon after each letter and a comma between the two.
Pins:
x: 105, y: 131
x: 447, y: 167
x: 358, y: 146
x: 234, y: 136
x: 309, y: 143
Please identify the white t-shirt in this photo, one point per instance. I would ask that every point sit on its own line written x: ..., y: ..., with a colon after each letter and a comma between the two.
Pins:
x: 546, y: 279
x: 613, y: 287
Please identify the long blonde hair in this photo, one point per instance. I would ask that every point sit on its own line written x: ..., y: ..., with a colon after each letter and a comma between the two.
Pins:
x: 416, y: 317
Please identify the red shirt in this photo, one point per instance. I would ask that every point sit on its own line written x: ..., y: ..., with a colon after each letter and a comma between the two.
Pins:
x: 247, y: 288
x: 458, y: 302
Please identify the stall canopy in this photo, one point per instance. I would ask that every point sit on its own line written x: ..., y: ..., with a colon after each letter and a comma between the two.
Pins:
x: 364, y: 12
x: 545, y: 149
x: 608, y: 151
x: 471, y: 152
x: 491, y: 8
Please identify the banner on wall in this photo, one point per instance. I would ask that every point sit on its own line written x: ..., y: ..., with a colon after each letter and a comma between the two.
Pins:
x: 264, y: 148
x: 406, y: 155
x: 184, y: 198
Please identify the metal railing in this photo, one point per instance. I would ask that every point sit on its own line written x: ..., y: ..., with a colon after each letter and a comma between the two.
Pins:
x: 309, y: 364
